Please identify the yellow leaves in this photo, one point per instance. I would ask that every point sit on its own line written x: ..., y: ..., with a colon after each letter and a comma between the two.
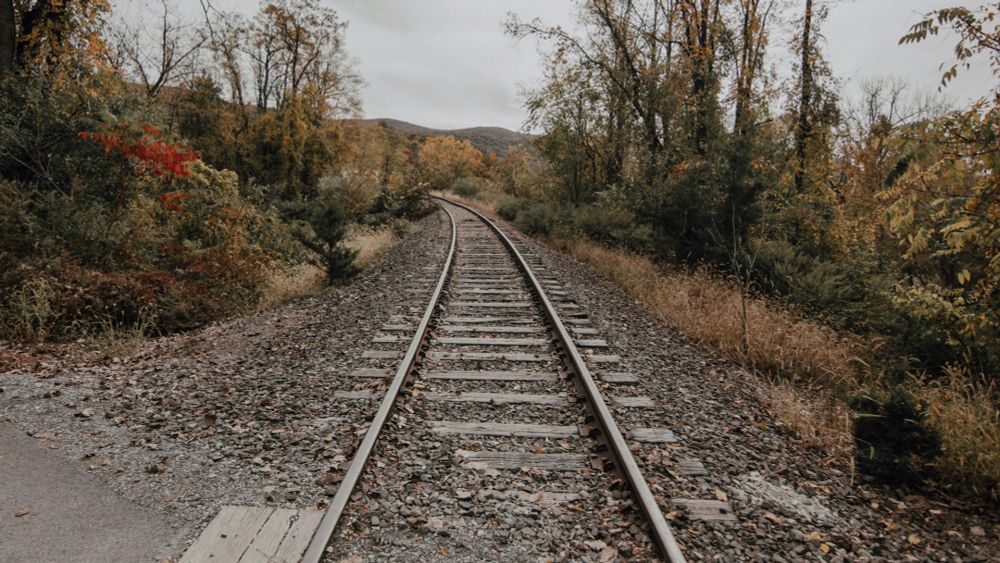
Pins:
x: 721, y: 495
x: 913, y: 539
x: 964, y: 276
x: 824, y: 548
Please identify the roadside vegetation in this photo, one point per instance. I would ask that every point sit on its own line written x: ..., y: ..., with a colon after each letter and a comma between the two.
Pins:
x: 847, y: 250
x: 147, y: 188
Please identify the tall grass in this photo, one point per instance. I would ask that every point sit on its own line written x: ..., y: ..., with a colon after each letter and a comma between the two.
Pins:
x: 965, y: 412
x: 369, y: 243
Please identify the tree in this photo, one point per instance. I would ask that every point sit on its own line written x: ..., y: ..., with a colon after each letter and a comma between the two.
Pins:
x: 157, y: 60
x: 8, y: 37
x: 50, y: 34
x: 947, y: 210
x: 443, y: 159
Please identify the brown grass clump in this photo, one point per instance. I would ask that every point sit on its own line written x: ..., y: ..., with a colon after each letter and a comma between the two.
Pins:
x: 290, y: 283
x: 814, y: 414
x: 964, y: 411
x: 369, y: 243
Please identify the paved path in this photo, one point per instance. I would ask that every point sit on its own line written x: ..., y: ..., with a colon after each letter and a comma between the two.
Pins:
x: 73, y: 516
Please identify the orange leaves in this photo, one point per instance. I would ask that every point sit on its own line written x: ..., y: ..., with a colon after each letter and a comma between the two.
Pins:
x: 142, y: 144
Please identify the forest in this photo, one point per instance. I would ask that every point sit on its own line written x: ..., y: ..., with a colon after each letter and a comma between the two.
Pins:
x: 848, y: 250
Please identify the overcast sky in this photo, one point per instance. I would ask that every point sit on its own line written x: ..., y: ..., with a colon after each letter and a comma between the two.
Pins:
x: 448, y: 63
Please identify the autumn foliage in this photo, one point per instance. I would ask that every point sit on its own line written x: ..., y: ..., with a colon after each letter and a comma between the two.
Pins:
x: 143, y: 146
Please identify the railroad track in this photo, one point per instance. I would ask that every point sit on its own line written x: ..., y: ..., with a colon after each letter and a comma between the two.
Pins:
x: 493, y: 319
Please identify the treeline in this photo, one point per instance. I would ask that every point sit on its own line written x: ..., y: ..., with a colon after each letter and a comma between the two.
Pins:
x: 148, y: 187
x: 667, y: 133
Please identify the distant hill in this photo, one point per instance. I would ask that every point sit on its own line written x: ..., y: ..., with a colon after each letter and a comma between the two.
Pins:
x: 487, y: 139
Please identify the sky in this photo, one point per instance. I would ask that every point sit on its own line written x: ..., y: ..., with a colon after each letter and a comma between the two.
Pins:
x: 448, y: 64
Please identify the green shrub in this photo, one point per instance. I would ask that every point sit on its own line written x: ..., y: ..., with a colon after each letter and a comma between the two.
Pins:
x: 892, y: 439
x: 538, y: 218
x: 613, y: 226
x: 468, y: 186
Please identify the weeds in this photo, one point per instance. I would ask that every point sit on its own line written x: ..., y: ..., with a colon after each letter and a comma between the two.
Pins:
x: 116, y: 339
x: 964, y: 411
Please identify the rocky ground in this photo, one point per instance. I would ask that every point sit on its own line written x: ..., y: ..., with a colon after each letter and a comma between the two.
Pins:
x: 241, y: 413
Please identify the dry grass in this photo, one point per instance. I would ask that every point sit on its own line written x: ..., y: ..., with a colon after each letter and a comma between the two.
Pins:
x: 809, y: 364
x: 708, y: 309
x: 116, y: 340
x: 964, y: 411
x: 488, y: 207
x: 814, y: 414
x: 290, y: 283
x: 370, y: 243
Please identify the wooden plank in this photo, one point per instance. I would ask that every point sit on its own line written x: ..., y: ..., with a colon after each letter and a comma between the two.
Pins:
x: 493, y: 375
x: 691, y: 467
x: 509, y: 356
x: 497, y: 398
x: 633, y: 402
x: 619, y: 378
x: 491, y: 304
x: 371, y: 372
x: 382, y: 354
x: 357, y: 395
x: 582, y: 330
x: 228, y: 534
x: 592, y: 343
x: 494, y: 329
x: 526, y: 460
x: 490, y: 291
x: 397, y: 327
x: 294, y: 545
x: 491, y: 341
x: 599, y: 359
x: 653, y: 435
x: 265, y: 544
x: 699, y: 509
x: 389, y: 339
x: 498, y: 429
x: 484, y: 320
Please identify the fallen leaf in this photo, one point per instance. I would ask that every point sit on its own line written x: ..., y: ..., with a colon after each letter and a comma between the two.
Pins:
x: 596, y: 545
x: 814, y: 537
x: 608, y: 554
x: 977, y: 531
x: 22, y: 512
x: 824, y: 548
x: 914, y: 539
x: 773, y: 518
x: 721, y: 495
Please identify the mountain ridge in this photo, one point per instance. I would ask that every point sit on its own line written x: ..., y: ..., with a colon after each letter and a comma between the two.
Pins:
x: 488, y: 139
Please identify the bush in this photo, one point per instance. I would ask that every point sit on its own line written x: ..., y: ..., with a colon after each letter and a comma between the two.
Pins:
x: 613, y: 226
x: 468, y: 187
x: 892, y: 440
x: 538, y: 218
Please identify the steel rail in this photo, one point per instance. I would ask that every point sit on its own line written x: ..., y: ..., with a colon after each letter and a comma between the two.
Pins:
x: 625, y: 462
x: 328, y: 525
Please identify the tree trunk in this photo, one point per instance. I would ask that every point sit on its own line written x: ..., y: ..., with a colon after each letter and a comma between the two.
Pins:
x: 8, y: 37
x: 804, y: 131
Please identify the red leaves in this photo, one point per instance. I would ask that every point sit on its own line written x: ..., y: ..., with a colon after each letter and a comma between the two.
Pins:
x: 173, y: 201
x: 142, y: 144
